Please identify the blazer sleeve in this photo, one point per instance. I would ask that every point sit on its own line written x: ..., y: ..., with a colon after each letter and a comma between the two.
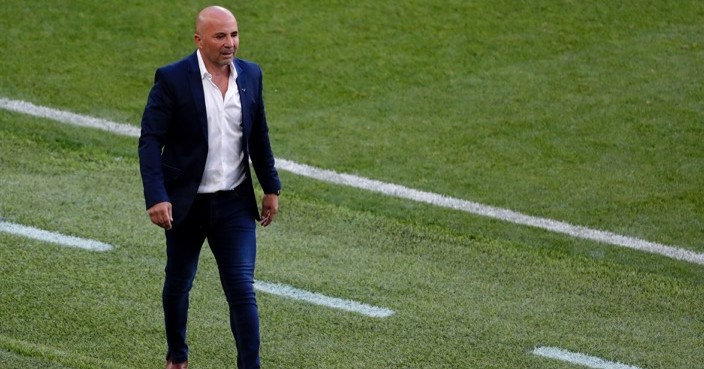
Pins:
x: 155, y: 124
x: 260, y: 145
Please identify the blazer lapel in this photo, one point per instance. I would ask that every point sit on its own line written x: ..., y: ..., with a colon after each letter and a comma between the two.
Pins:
x: 244, y: 91
x: 195, y: 80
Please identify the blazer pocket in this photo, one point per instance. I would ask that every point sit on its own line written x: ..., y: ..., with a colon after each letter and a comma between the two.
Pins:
x: 171, y: 174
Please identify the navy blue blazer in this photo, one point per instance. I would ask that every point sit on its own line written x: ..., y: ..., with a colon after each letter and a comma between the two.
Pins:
x: 173, y: 144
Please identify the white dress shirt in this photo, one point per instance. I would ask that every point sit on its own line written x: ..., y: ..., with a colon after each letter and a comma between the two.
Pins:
x: 224, y: 169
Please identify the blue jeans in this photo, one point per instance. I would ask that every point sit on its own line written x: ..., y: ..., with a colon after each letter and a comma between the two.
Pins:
x: 225, y: 220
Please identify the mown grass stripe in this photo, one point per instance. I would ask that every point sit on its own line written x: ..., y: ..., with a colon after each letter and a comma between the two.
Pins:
x: 53, y: 237
x: 322, y: 300
x: 392, y: 189
x: 50, y: 354
x: 579, y: 359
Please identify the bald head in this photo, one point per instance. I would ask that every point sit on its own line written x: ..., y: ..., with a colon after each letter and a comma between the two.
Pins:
x: 217, y: 37
x: 212, y: 14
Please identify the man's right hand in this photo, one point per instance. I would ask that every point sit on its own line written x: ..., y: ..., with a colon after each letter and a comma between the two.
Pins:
x: 160, y: 214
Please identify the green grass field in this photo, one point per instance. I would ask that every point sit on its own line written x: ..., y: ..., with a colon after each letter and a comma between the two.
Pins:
x: 585, y: 112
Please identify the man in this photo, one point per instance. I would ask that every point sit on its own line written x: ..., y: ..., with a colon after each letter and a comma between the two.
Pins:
x: 203, y: 121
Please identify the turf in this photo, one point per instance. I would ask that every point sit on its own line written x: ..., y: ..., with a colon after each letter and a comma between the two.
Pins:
x: 583, y: 112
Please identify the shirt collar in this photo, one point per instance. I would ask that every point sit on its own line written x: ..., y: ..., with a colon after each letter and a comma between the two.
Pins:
x: 204, y: 74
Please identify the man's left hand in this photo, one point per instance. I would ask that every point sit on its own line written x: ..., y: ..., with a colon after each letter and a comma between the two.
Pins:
x: 270, y: 206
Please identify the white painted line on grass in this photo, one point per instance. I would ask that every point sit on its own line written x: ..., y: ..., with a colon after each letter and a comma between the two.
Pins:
x: 68, y: 117
x: 393, y: 190
x: 490, y: 211
x: 268, y: 287
x: 319, y: 299
x: 52, y: 237
x: 579, y: 359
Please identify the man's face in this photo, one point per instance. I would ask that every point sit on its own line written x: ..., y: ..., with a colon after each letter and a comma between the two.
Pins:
x: 218, y: 39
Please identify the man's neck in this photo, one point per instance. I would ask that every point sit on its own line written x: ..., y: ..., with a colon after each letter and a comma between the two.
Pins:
x: 217, y: 70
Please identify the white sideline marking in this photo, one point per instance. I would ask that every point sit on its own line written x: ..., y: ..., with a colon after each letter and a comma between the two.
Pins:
x: 490, y: 211
x: 268, y: 287
x: 319, y: 299
x: 392, y: 189
x: 580, y: 359
x: 24, y: 107
x: 53, y: 237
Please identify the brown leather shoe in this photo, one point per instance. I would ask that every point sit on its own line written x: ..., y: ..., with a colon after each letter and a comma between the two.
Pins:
x: 171, y: 365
